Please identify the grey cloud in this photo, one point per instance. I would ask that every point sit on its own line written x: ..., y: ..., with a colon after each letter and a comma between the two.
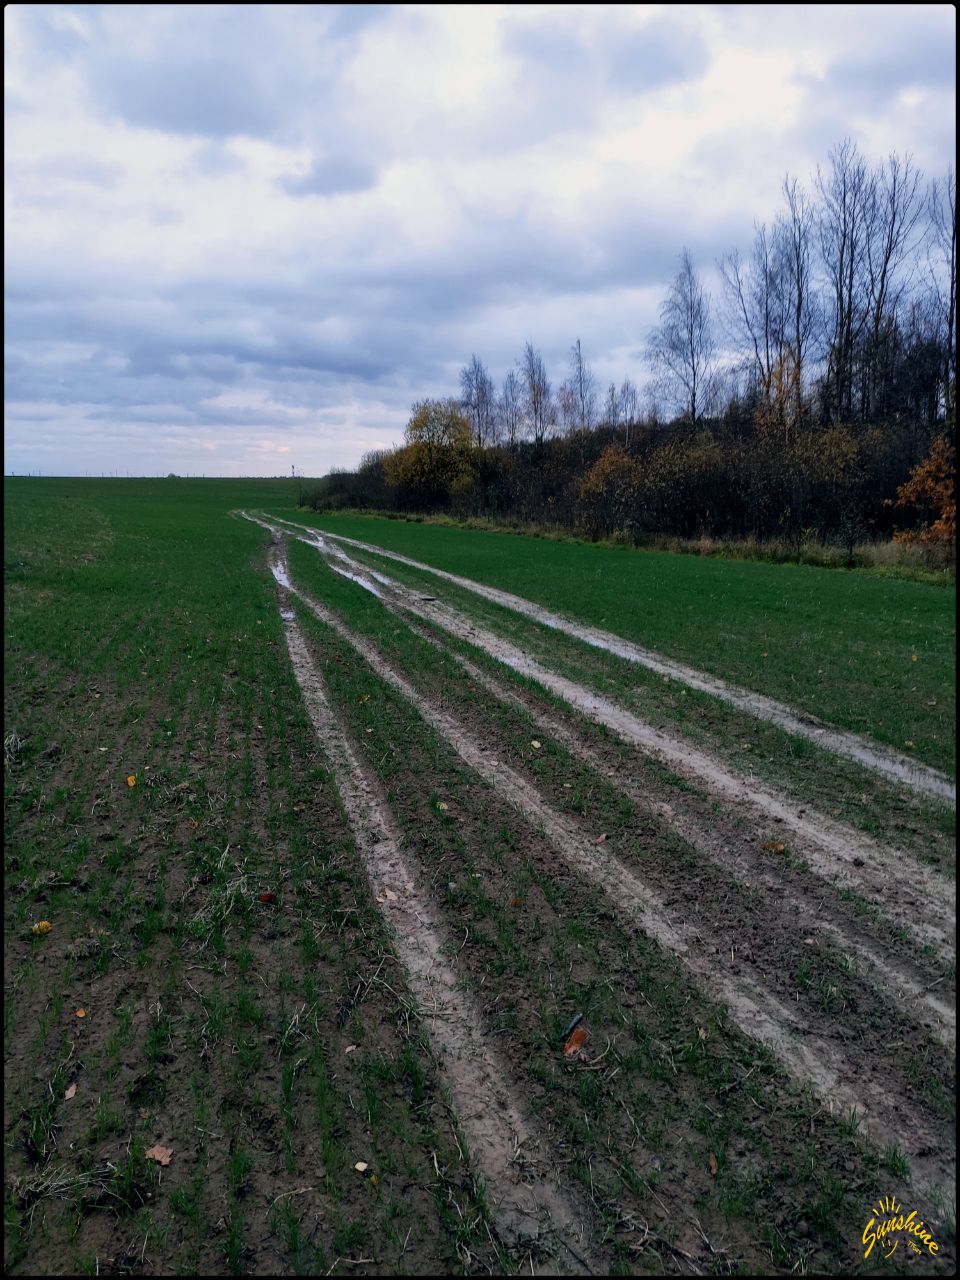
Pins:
x: 660, y: 53
x: 332, y: 175
x: 189, y: 95
x: 80, y: 169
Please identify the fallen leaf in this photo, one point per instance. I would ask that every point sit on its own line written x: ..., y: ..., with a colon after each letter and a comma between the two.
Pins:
x: 361, y: 1166
x: 575, y: 1043
x: 81, y: 1013
x: 389, y: 895
x: 350, y: 1048
x: 71, y: 1092
x: 131, y: 779
x: 443, y: 805
x: 41, y: 927
x: 534, y: 743
x: 712, y: 1162
x: 600, y: 839
x: 374, y: 1179
x: 913, y: 657
x: 516, y: 902
x: 267, y: 897
x: 774, y: 846
x: 162, y: 1155
x: 908, y: 743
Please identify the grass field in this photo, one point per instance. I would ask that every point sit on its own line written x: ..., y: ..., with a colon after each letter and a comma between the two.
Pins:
x: 839, y: 644
x: 237, y: 902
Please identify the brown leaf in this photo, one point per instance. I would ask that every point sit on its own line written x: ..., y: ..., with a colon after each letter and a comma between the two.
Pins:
x: 600, y: 839
x: 712, y: 1162
x: 575, y: 1043
x: 162, y: 1155
x: 775, y: 846
x: 71, y: 1092
x: 267, y: 897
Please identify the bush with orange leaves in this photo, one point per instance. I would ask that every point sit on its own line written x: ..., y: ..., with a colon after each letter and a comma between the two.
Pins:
x: 932, y: 487
x: 609, y: 491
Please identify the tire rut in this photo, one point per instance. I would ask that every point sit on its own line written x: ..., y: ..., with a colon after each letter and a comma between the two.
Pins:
x: 911, y: 773
x: 809, y: 1058
x: 533, y: 1215
x: 922, y: 902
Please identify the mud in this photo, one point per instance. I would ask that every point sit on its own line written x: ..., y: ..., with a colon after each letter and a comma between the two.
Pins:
x: 528, y: 1210
x: 731, y: 850
x: 911, y: 773
x: 921, y: 899
x: 808, y: 1057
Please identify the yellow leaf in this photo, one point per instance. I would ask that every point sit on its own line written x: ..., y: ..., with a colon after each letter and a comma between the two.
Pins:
x: 81, y: 1013
x: 131, y: 779
x: 774, y: 846
x: 42, y: 927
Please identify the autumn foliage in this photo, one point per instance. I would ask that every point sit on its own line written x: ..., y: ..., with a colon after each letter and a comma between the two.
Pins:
x: 932, y: 486
x: 438, y: 460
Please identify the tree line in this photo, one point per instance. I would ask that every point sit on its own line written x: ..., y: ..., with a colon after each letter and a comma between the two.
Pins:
x: 812, y: 394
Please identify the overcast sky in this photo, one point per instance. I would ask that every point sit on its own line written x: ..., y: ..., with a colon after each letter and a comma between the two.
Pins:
x: 242, y: 238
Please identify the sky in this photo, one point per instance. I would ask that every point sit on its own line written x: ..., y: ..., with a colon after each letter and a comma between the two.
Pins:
x: 241, y: 239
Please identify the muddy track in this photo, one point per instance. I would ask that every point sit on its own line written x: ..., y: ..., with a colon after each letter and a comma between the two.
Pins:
x: 809, y: 910
x: 922, y: 901
x: 871, y: 755
x: 725, y: 841
x: 812, y: 1058
x: 532, y: 1214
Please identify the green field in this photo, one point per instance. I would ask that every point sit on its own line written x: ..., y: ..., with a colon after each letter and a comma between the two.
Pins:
x: 839, y: 644
x: 243, y: 1002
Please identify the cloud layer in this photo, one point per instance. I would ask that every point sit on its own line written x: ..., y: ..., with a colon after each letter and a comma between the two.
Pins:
x: 240, y: 238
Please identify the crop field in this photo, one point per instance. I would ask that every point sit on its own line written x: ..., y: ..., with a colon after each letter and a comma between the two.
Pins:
x: 393, y: 899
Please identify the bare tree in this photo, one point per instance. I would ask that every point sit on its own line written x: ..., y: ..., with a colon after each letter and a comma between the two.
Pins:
x: 611, y: 406
x: 681, y: 349
x: 584, y: 386
x: 568, y: 406
x: 893, y: 213
x: 794, y: 238
x: 510, y: 408
x: 755, y: 305
x: 477, y: 395
x: 629, y: 408
x: 537, y: 400
x: 846, y: 194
